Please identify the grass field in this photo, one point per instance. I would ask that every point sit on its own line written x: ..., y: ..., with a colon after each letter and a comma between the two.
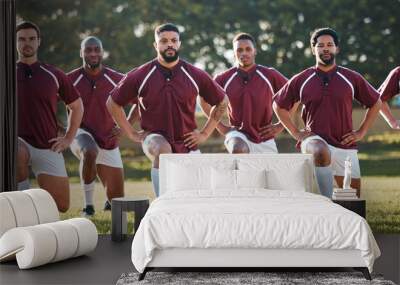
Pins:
x: 382, y: 195
x: 379, y: 155
x: 380, y: 165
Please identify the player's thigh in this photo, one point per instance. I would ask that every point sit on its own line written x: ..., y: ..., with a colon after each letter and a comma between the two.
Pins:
x: 23, y: 158
x: 112, y: 178
x: 23, y: 155
x: 58, y: 187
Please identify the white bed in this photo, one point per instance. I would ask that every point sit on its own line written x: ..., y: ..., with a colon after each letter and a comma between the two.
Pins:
x: 216, y: 211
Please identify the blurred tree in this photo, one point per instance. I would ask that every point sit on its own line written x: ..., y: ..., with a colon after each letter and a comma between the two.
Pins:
x: 282, y: 28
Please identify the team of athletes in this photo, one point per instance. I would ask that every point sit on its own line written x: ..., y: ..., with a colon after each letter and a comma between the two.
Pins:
x: 164, y: 93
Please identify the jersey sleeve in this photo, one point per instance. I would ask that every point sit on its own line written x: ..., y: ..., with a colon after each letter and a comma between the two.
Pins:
x: 288, y: 95
x: 126, y: 91
x: 219, y: 78
x: 364, y: 93
x: 68, y: 93
x: 278, y: 81
x: 209, y: 89
x: 117, y: 77
x: 391, y: 86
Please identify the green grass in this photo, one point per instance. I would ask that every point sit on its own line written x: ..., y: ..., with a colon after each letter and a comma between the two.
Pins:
x: 102, y: 219
x: 383, y: 203
x: 379, y: 160
x: 382, y: 195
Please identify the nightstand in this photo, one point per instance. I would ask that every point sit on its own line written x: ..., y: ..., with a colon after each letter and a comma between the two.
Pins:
x: 119, y: 207
x: 357, y: 206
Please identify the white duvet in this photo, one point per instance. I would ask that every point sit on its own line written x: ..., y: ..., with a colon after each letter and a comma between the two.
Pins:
x: 250, y: 219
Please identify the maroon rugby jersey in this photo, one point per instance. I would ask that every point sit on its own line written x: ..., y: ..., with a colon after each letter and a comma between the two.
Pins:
x: 391, y: 86
x: 39, y: 87
x: 327, y: 99
x: 94, y: 92
x: 167, y: 98
x: 250, y: 98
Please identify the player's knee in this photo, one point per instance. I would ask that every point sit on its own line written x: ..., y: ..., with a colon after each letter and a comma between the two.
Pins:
x: 63, y: 207
x: 89, y: 154
x: 161, y: 148
x: 320, y: 151
x: 238, y: 145
x: 240, y: 148
x: 62, y: 203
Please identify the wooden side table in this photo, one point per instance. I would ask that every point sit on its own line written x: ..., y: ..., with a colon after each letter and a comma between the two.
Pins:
x: 119, y: 207
x: 357, y: 206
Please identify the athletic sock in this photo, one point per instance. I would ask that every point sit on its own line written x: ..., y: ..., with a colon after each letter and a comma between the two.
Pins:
x: 155, y: 181
x: 23, y: 185
x: 324, y: 177
x: 88, y: 190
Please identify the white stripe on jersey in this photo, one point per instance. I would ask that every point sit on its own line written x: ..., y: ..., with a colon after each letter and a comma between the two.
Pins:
x: 348, y: 82
x: 109, y: 79
x: 78, y: 79
x: 304, y: 84
x: 145, y: 79
x: 191, y: 79
x: 52, y: 75
x: 140, y: 99
x: 229, y: 81
x: 266, y: 80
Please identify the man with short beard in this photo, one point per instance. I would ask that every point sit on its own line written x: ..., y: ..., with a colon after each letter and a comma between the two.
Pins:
x: 39, y: 87
x: 96, y: 142
x: 166, y: 89
x: 327, y: 92
x: 250, y: 88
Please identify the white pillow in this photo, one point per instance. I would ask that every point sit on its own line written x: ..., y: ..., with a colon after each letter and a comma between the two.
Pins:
x: 251, y: 178
x: 293, y: 180
x: 223, y: 179
x: 194, y: 174
x: 231, y: 180
x: 281, y: 174
x: 188, y: 177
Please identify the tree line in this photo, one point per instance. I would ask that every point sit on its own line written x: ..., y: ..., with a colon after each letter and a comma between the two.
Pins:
x: 369, y: 31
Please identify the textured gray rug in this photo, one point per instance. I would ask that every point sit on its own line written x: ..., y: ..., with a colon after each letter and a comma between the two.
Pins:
x: 243, y: 278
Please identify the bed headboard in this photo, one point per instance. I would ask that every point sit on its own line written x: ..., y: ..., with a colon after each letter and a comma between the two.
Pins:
x: 287, y: 171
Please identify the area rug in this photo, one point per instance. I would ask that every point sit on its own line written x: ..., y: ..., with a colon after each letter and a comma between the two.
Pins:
x: 244, y: 278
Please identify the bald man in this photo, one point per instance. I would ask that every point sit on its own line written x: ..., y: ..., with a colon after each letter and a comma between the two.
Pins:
x: 96, y: 142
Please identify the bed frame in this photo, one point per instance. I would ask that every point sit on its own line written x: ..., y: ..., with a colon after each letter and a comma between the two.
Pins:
x: 242, y: 259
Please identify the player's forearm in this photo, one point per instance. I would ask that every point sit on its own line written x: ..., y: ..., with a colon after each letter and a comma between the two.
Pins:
x: 284, y: 117
x: 223, y: 129
x: 206, y: 108
x: 74, y: 118
x: 292, y: 113
x: 387, y: 115
x: 215, y: 116
x: 133, y: 115
x: 119, y: 116
x: 370, y: 117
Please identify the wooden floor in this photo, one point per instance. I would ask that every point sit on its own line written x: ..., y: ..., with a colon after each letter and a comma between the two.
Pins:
x: 106, y: 264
